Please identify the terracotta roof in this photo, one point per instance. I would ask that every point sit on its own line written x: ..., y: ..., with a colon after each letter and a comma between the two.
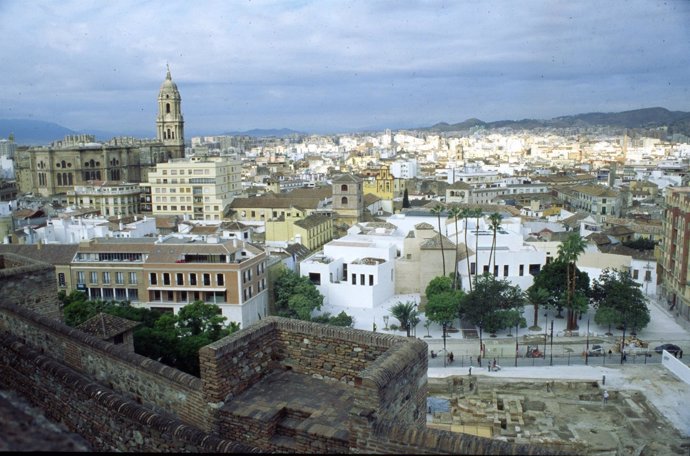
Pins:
x: 312, y: 220
x: 106, y: 326
x: 370, y: 199
x: 55, y: 254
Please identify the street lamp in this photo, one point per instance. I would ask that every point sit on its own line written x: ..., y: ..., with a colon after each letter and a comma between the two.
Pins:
x: 444, y: 343
x: 545, y: 328
x: 623, y: 344
x: 516, y: 343
x: 587, y: 349
x: 551, y: 354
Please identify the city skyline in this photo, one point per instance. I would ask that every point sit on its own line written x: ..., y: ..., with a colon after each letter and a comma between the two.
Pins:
x: 329, y: 67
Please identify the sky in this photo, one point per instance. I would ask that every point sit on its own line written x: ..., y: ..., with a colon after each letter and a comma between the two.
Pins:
x: 327, y: 66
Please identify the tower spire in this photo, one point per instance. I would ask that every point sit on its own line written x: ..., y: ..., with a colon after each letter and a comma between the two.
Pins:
x: 167, y: 76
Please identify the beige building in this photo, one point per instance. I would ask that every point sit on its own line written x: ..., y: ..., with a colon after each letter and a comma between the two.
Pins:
x: 198, y: 188
x: 169, y: 273
x: 348, y: 198
x: 109, y: 198
x: 312, y: 231
x: 674, y: 252
x: 78, y: 159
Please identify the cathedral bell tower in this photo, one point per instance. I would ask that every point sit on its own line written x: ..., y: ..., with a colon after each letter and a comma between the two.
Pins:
x: 169, y: 122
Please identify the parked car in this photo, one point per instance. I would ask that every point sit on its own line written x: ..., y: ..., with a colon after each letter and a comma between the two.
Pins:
x: 671, y: 348
x: 597, y: 350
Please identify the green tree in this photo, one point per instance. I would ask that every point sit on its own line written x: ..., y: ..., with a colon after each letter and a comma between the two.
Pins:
x: 538, y: 297
x: 618, y: 299
x: 296, y: 296
x: 201, y: 318
x: 437, y: 210
x: 553, y: 278
x: 443, y: 307
x: 568, y: 253
x: 406, y: 199
x: 495, y: 224
x: 406, y: 313
x: 477, y: 214
x: 439, y: 284
x: 455, y: 212
x: 489, y: 304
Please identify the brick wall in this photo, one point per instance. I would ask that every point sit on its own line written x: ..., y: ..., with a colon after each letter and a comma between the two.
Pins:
x: 140, y: 378
x: 108, y: 420
x: 30, y: 283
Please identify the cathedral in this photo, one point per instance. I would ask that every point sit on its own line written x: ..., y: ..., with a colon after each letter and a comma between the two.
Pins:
x: 52, y: 171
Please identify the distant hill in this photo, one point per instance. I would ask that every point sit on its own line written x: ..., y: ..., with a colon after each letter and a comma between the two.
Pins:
x: 264, y: 133
x: 677, y: 121
x: 33, y: 132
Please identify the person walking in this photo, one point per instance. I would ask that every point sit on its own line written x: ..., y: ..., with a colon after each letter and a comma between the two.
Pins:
x: 479, y: 360
x: 606, y: 397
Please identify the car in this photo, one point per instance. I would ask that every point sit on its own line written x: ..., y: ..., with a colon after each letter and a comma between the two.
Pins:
x: 671, y: 348
x: 596, y: 350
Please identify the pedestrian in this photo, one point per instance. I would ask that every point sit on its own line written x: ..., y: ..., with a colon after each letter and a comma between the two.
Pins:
x: 625, y: 357
x: 493, y: 367
x: 450, y: 357
x: 433, y: 355
x: 606, y: 397
x: 470, y: 371
x: 479, y: 360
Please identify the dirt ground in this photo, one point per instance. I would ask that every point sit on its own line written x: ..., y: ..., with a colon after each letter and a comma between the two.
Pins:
x: 568, y: 410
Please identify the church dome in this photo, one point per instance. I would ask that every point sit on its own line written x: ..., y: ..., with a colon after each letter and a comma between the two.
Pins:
x: 168, y: 85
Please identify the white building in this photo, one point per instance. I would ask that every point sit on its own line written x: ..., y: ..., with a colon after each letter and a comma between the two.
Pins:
x: 72, y: 230
x: 355, y: 271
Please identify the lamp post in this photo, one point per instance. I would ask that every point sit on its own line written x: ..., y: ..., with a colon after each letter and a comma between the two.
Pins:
x: 545, y: 328
x: 587, y: 349
x: 623, y: 344
x: 444, y: 343
x: 516, y: 343
x: 551, y: 354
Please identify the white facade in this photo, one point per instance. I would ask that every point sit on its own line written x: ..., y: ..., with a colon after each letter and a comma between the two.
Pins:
x: 404, y: 169
x: 71, y: 230
x: 353, y: 273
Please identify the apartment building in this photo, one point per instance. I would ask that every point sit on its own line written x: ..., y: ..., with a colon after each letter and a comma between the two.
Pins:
x: 674, y: 251
x: 199, y: 187
x: 170, y: 272
x: 600, y: 201
x: 109, y: 198
x: 464, y: 193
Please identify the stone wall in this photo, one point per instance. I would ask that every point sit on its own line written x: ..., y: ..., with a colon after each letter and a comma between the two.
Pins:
x: 108, y: 420
x: 140, y: 378
x: 29, y: 283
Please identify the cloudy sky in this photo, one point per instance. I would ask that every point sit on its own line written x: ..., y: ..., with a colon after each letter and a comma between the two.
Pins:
x: 332, y: 66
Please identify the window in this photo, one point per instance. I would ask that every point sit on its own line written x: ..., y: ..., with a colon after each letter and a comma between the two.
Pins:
x: 192, y: 278
x: 486, y: 269
x: 106, y: 277
x: 315, y: 278
x: 166, y: 278
x: 94, y: 277
x: 343, y: 188
x: 648, y: 276
x: 119, y: 339
x: 179, y: 278
x: 505, y: 270
x: 61, y: 280
x: 345, y: 271
x: 495, y: 270
x: 354, y: 279
x: 119, y: 278
x: 207, y: 279
x: 153, y: 278
x: 522, y: 269
x: 361, y: 279
x: 636, y: 274
x: 343, y: 200
x: 371, y: 279
x: 220, y: 279
x: 133, y: 278
x: 534, y: 269
x: 473, y: 267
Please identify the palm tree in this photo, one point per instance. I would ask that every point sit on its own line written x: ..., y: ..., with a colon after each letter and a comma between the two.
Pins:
x: 568, y: 252
x: 476, y: 213
x: 437, y: 210
x: 466, y: 213
x: 455, y: 212
x: 495, y: 223
x: 537, y: 297
x: 407, y: 315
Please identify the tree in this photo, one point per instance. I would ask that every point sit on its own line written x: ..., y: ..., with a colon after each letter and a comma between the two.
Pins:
x: 437, y: 210
x: 568, y: 252
x: 406, y: 313
x: 455, y: 212
x: 619, y: 300
x: 443, y: 307
x: 491, y: 303
x: 201, y: 318
x: 465, y: 214
x: 553, y: 278
x: 495, y: 224
x: 406, y: 199
x: 477, y: 214
x: 296, y: 296
x: 440, y: 284
x: 538, y: 297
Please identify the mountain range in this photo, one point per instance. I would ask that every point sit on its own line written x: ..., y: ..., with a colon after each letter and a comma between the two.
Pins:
x: 38, y: 132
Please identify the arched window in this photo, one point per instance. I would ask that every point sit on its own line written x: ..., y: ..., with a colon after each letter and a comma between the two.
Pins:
x: 343, y: 200
x: 69, y: 179
x: 343, y: 188
x: 91, y: 163
x: 59, y: 177
x: 63, y: 164
x: 167, y: 108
